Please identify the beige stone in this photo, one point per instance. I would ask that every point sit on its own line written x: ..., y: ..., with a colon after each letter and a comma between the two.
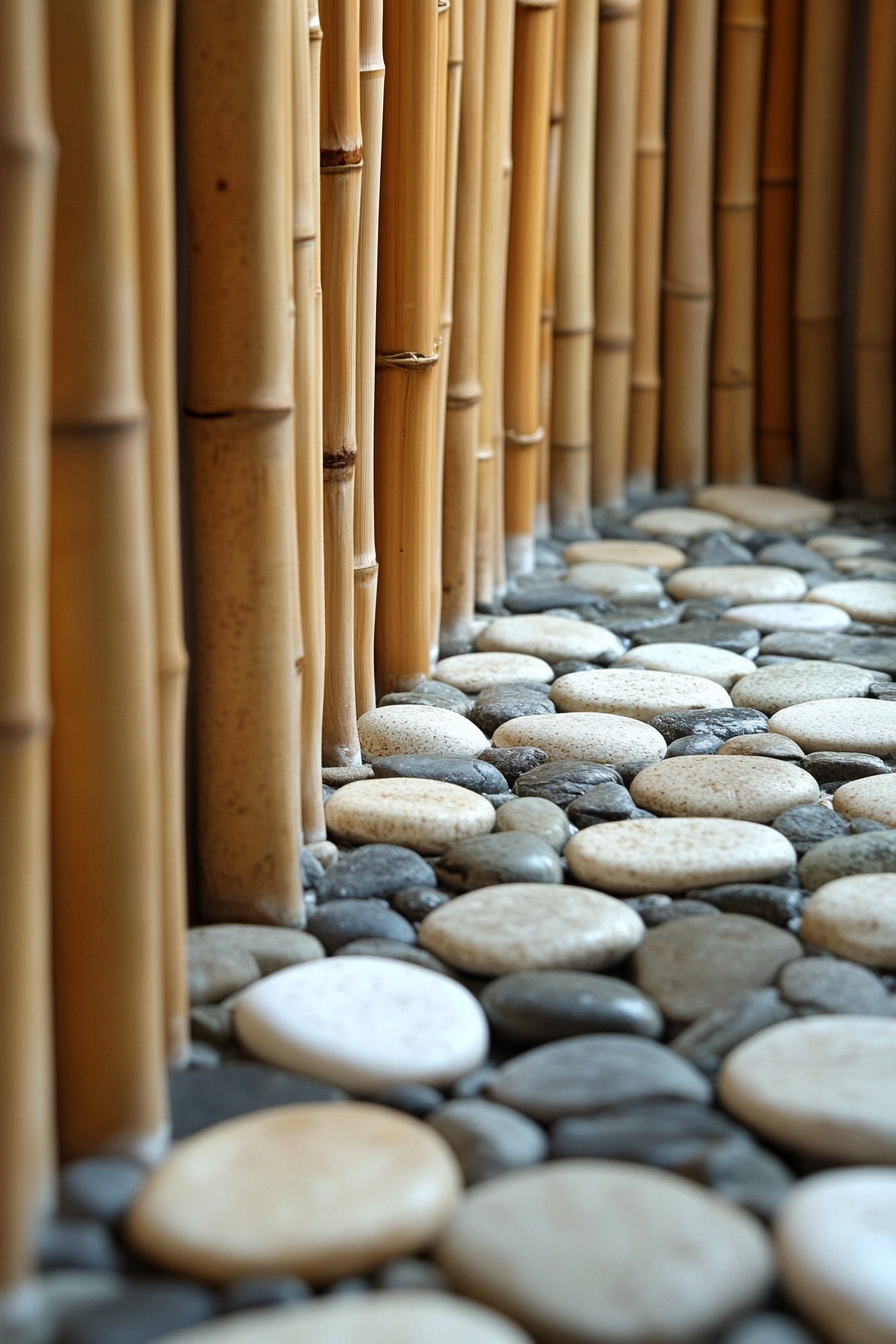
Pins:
x: 635, y: 858
x: 694, y: 660
x: 874, y: 797
x: 525, y: 926
x: 871, y: 567
x: 216, y: 971
x: 650, y: 554
x: 420, y: 730
x: 823, y: 1086
x: 425, y: 814
x: 537, y: 816
x: 585, y: 1252
x: 746, y: 788
x: 781, y: 685
x: 764, y: 506
x: 762, y: 744
x: 767, y: 617
x: 834, y: 547
x: 324, y: 851
x: 685, y: 523
x: 865, y: 599
x: 318, y: 1191
x: 619, y: 583
x: 607, y: 738
x: 472, y: 672
x: 635, y: 693
x: 273, y: 948
x: 550, y: 637
x: 839, y: 725
x: 855, y: 917
x: 742, y: 583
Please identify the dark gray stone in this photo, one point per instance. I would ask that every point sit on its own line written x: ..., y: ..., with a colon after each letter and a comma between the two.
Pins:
x: 629, y: 769
x: 707, y: 1041
x: 659, y: 1134
x: 344, y: 921
x: 656, y: 909
x: 473, y: 1084
x: 148, y: 1309
x: 200, y: 1099
x: 543, y: 597
x: 843, y: 766
x: 862, y: 825
x: 477, y: 776
x: 792, y: 554
x: 828, y: 985
x: 768, y: 1327
x: 99, y: 1187
x: 848, y: 854
x: 695, y: 744
x: 212, y: 1023
x: 876, y: 652
x: 629, y: 622
x: 722, y: 723
x: 744, y: 1173
x: 490, y: 714
x: 406, y: 1271
x: 605, y: 802
x: 413, y: 1098
x: 561, y: 782
x: 778, y: 905
x: 264, y: 1290
x: 501, y: 690
x: 77, y: 1243
x: 438, y: 690
x: 535, y: 1007
x: 489, y: 1139
x: 383, y: 947
x: 705, y: 608
x: 312, y: 871
x: 415, y: 903
x: 374, y: 870
x: 567, y: 665
x: 431, y: 698
x: 503, y: 856
x: 729, y: 635
x: 717, y: 548
x: 513, y: 761
x: 809, y: 825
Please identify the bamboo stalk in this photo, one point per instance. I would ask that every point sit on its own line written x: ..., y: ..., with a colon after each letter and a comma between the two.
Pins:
x: 574, y: 321
x: 876, y: 316
x: 242, y: 456
x: 373, y: 71
x: 733, y: 394
x: 819, y: 231
x: 408, y: 301
x: 549, y: 271
x: 688, y: 261
x: 644, y: 410
x: 341, y: 165
x: 532, y: 71
x: 27, y: 176
x: 777, y: 212
x: 106, y: 787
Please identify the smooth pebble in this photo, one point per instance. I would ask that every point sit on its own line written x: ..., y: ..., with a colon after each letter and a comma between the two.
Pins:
x: 773, y: 745
x: 827, y: 985
x: 764, y: 506
x: 746, y: 788
x: 697, y: 660
x: 549, y: 637
x: 618, y: 583
x: 472, y: 672
x: 488, y: 1139
x: 605, y: 738
x: 650, y: 554
x: 865, y: 599
x: 855, y: 917
x: 742, y: 583
x: 784, y: 684
x: 636, y: 694
x: 536, y: 815
x: 539, y: 1006
x: 682, y: 522
x: 421, y: 730
x: 424, y: 815
x: 874, y: 797
x: 835, y: 547
x: 839, y: 725
x: 768, y: 617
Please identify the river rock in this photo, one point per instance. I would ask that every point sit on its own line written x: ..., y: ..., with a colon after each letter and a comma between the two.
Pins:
x: 742, y: 583
x: 425, y: 815
x: 535, y: 1007
x: 873, y: 651
x: 825, y: 985
x: 845, y: 855
x: 548, y: 637
x: 605, y: 802
x: 658, y: 1133
x: 778, y: 905
x: 204, y: 1097
x: 418, y: 730
x: 472, y: 672
x: 561, y: 782
x: 605, y: 738
x: 734, y: 638
x: 535, y: 816
x: 768, y: 617
x: 855, y: 917
x: 773, y: 745
x: 839, y: 725
x: 697, y: 660
x: 721, y: 723
x: 513, y: 761
x: 682, y: 522
x: 488, y: 1139
x: 712, y: 1036
x: 835, y: 547
x: 829, y: 767
x: 792, y: 554
x: 747, y: 788
x: 871, y: 600
x: 487, y: 860
x: 341, y: 922
x: 382, y: 947
x: 635, y: 693
x: 873, y: 797
x: 764, y: 506
x: 649, y: 554
x: 770, y: 689
x: 466, y: 773
x: 374, y: 870
x: 618, y: 583
x: 718, y: 549
x: 513, y: 702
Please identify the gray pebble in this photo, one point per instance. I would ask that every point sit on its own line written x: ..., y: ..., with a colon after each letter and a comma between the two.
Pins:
x: 476, y: 775
x: 474, y: 1084
x: 502, y: 856
x: 413, y: 1098
x: 147, y: 1309
x: 877, y: 653
x: 695, y: 744
x: 539, y: 1006
x: 99, y: 1187
x: 489, y: 1139
x: 745, y: 1173
x: 768, y: 1327
x: 374, y: 870
x: 778, y: 905
x: 344, y: 921
x: 717, y: 548
x: 723, y: 723
x: 544, y: 597
x: 729, y: 635
x: 490, y: 714
x: 77, y: 1243
x: 605, y: 802
x: 710, y: 1038
x: 415, y: 903
x: 264, y: 1290
x: 705, y: 608
x: 513, y: 761
x: 848, y: 854
x: 828, y: 985
x: 241, y: 1088
x: 827, y: 766
x: 794, y: 555
x: 809, y: 825
x: 212, y: 1024
x: 392, y: 951
x: 561, y: 782
x: 658, y: 1133
x: 312, y: 871
x: 629, y: 769
x: 627, y: 622
x: 655, y: 909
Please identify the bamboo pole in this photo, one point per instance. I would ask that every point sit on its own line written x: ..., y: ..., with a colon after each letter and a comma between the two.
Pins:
x: 407, y: 329
x: 819, y: 230
x: 242, y: 456
x: 532, y: 71
x: 617, y: 108
x: 777, y: 212
x: 644, y: 410
x: 341, y: 173
x: 27, y: 176
x: 688, y: 261
x: 549, y: 271
x: 373, y: 72
x: 574, y: 321
x: 733, y: 394
x: 876, y: 317
x: 106, y: 788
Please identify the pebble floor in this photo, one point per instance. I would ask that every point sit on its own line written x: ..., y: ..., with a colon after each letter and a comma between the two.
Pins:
x: 591, y: 1033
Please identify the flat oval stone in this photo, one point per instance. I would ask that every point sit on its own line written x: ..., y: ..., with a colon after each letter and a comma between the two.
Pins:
x: 471, y: 672
x: 822, y: 1086
x: 660, y: 1133
x: 742, y: 583
x: 522, y: 926
x: 855, y: 917
x: 721, y: 723
x: 513, y: 761
x: 768, y: 617
x: 781, y: 685
x: 836, y: 1243
x: 636, y: 694
x: 715, y: 1034
x: 697, y: 660
x: 539, y: 1006
x: 839, y: 725
x: 488, y: 1139
x: 865, y: 599
x: 845, y: 855
x: 315, y: 1191
x: 773, y: 745
x: 364, y: 1023
x: 751, y: 788
x: 650, y: 554
x: 874, y: 797
x: 692, y: 966
x: 424, y: 815
x: 764, y: 506
x: 617, y: 582
x: 606, y: 1253
x: 341, y: 922
x: 830, y: 767
x: 418, y: 730
x: 605, y: 738
x: 563, y: 781
x: 539, y: 816
x: 632, y: 858
x: 464, y: 771
x: 682, y: 522
x: 549, y: 637
x: 204, y: 1097
x: 489, y: 860
x: 823, y: 985
x: 733, y: 638
x: 374, y: 870
x: 833, y: 546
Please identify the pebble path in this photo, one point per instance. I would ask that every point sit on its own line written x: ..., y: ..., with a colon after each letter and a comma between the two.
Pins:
x: 590, y: 1037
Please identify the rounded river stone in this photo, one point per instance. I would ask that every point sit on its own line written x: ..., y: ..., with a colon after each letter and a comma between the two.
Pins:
x: 418, y: 730
x: 682, y: 522
x: 636, y: 693
x: 874, y: 852
x: 767, y: 617
x: 549, y: 637
x: 204, y: 1097
x: 561, y: 782
x: 374, y: 870
x: 722, y: 723
x: 874, y: 797
x: 855, y: 917
x: 765, y: 506
x: 742, y: 583
x: 488, y: 1139
x: 537, y: 816
x: 839, y: 725
x: 606, y: 738
x: 770, y: 689
x: 472, y: 672
x: 618, y: 582
x: 540, y: 1006
x: 649, y: 554
x: 342, y: 922
x: 513, y: 761
x: 865, y: 599
x: 697, y: 660
x: 823, y: 985
x: 425, y: 815
x: 746, y: 788
x: 773, y: 745
x: 488, y: 860
x: 463, y: 771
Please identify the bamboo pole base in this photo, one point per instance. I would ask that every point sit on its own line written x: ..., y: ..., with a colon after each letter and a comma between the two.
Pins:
x: 365, y: 622
x: 485, y: 510
x: 610, y: 392
x: 875, y: 420
x: 340, y: 731
x: 459, y: 524
x: 172, y: 727
x: 644, y: 433
x: 732, y: 412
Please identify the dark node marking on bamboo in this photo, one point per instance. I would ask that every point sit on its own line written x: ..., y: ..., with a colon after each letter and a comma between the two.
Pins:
x: 342, y: 459
x: 331, y: 160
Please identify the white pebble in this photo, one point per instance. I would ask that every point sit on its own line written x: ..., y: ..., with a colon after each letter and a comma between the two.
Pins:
x: 472, y: 672
x: 636, y: 694
x: 865, y: 599
x: 697, y: 660
x: 424, y: 814
x: 649, y: 554
x: 607, y: 738
x: 618, y: 582
x: 550, y: 637
x: 765, y: 506
x: 781, y: 685
x: 840, y: 725
x: 745, y: 788
x: 419, y: 730
x: 854, y: 917
x: 742, y: 583
x: 767, y: 617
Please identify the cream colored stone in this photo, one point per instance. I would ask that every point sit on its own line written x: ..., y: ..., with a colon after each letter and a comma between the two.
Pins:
x: 781, y: 685
x: 424, y: 814
x: 764, y: 506
x: 840, y: 725
x: 685, y: 523
x: 619, y: 583
x: 550, y: 637
x: 865, y: 599
x: 823, y: 1086
x: 872, y: 567
x: 317, y: 1191
x: 536, y: 816
x: 767, y: 617
x: 745, y: 788
x: 419, y: 730
x: 742, y: 583
x: 324, y: 851
x: 273, y: 948
x: 650, y: 554
x: 364, y: 1023
x: 472, y: 672
x: 836, y: 1243
x: 874, y: 797
x: 607, y: 738
x: 693, y: 660
x: 834, y: 547
x: 585, y: 1252
x: 855, y: 917
x: 762, y: 744
x: 525, y: 926
x: 635, y: 858
x: 636, y: 694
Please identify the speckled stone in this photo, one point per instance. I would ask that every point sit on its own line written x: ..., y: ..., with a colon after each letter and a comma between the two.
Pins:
x: 855, y: 918
x: 425, y: 815
x: 834, y: 547
x: 836, y: 766
x: 549, y: 637
x: 472, y: 672
x: 538, y: 816
x: 682, y: 522
x: 826, y: 985
x: 535, y: 1007
x: 696, y: 660
x: 877, y: 652
x: 632, y: 858
x: 418, y: 730
x: 513, y: 761
x: 768, y: 617
x: 782, y: 685
x: 524, y: 926
x: 636, y: 694
x: 604, y: 738
x: 773, y: 745
x: 605, y: 802
x: 764, y: 506
x: 779, y: 905
x: 742, y: 583
x: 750, y: 788
x: 650, y: 554
x: 619, y: 583
x: 871, y: 600
x: 839, y: 725
x: 873, y: 797
x: 845, y: 855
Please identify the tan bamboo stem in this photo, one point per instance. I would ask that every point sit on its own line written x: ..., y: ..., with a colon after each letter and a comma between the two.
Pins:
x: 876, y: 316
x: 688, y: 261
x: 497, y: 168
x: 27, y: 175
x: 532, y: 71
x: 106, y: 788
x: 341, y: 163
x: 549, y: 271
x: 819, y: 229
x: 644, y: 410
x: 154, y: 89
x: 373, y: 71
x: 574, y: 320
x: 733, y: 394
x: 408, y: 301
x: 777, y: 211
x: 241, y: 438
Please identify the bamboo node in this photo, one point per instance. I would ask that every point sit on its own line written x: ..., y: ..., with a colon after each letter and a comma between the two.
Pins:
x: 680, y: 289
x: 462, y: 397
x: 619, y: 9
x: 515, y: 440
x: 614, y: 342
x: 340, y: 459
x: 332, y: 160
x: 406, y: 359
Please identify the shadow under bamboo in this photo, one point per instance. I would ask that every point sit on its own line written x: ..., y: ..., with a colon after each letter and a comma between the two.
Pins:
x: 242, y: 456
x: 373, y: 72
x: 876, y: 315
x: 777, y: 213
x: 738, y: 138
x: 27, y: 177
x: 650, y: 155
x: 574, y: 317
x: 549, y: 271
x: 106, y: 791
x: 819, y: 231
x: 688, y: 260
